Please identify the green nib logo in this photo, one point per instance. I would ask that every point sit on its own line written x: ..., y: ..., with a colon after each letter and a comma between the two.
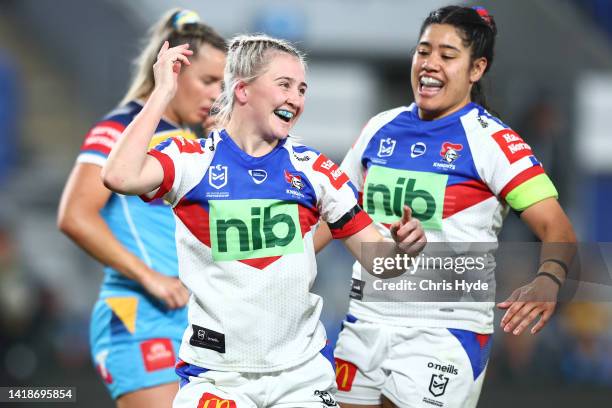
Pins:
x: 387, y: 190
x: 245, y: 229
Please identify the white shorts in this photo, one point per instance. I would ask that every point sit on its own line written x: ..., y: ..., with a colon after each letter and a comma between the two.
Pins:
x: 309, y: 385
x: 411, y: 366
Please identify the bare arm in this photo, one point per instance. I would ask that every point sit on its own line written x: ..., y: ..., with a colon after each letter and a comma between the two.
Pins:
x: 408, y: 236
x: 549, y: 222
x: 129, y: 170
x: 322, y: 237
x: 79, y: 218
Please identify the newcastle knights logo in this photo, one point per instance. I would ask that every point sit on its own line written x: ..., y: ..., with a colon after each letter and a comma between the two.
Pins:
x: 295, y: 180
x: 437, y: 384
x: 450, y: 151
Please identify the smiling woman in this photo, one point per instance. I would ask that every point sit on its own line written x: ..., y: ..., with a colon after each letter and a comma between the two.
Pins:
x: 276, y: 79
x: 246, y: 201
x: 466, y: 170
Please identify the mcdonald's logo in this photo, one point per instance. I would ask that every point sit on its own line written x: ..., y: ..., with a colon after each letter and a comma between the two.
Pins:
x: 209, y: 400
x: 345, y: 374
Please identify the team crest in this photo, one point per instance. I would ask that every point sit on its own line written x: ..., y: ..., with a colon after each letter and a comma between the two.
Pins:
x: 217, y: 176
x: 295, y: 180
x: 450, y: 151
x: 386, y: 147
x: 437, y: 385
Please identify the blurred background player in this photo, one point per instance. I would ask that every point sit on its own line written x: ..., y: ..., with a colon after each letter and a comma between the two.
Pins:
x: 472, y: 168
x: 246, y: 200
x: 140, y: 315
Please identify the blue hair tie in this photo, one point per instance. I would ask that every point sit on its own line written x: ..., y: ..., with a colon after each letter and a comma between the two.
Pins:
x: 184, y: 17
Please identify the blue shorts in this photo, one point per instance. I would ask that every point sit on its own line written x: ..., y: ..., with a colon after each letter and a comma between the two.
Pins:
x: 135, y: 341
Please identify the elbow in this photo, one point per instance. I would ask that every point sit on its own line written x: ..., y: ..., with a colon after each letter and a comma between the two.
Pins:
x: 67, y: 223
x: 113, y: 180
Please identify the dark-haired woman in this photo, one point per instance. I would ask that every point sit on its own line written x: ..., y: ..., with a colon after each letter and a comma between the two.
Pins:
x: 461, y: 170
x: 139, y: 318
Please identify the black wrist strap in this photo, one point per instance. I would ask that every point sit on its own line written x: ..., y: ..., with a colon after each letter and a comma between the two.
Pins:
x: 562, y: 264
x: 551, y: 277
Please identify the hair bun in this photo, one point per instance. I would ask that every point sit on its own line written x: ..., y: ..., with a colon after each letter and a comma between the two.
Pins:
x: 185, y: 17
x: 484, y: 14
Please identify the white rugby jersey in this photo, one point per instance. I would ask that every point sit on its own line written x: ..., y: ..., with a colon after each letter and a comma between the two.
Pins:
x: 460, y: 175
x: 244, y: 242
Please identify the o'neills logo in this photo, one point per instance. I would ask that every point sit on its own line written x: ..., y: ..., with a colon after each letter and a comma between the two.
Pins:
x: 209, y: 400
x: 345, y: 374
x: 445, y: 369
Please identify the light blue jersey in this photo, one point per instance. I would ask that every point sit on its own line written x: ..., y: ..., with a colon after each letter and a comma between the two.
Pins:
x: 134, y: 337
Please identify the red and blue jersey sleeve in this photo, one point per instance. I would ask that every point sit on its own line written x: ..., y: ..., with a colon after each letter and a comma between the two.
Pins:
x: 100, y: 140
x: 338, y: 199
x: 517, y: 176
x: 184, y: 162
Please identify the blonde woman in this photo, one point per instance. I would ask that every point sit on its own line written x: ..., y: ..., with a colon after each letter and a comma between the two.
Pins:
x: 246, y: 201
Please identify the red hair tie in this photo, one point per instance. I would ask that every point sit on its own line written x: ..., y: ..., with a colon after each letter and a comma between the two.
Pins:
x: 484, y: 14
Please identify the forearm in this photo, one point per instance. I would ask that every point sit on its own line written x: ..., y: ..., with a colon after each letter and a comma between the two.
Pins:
x: 123, y: 171
x: 558, y: 251
x: 92, y: 234
x: 380, y: 256
x: 322, y: 237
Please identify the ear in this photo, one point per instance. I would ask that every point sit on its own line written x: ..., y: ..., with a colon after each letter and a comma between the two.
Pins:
x: 240, y: 92
x: 478, y: 69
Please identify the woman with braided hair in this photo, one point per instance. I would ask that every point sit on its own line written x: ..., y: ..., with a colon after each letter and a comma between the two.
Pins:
x: 140, y: 316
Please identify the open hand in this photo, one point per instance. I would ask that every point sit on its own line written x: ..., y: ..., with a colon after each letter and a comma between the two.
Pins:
x: 167, y: 289
x: 537, y: 298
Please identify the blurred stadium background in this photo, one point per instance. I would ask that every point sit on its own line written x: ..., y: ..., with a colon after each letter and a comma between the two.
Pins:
x: 64, y: 63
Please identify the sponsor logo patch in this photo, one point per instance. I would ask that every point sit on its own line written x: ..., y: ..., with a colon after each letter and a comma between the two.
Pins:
x: 258, y: 175
x: 512, y: 145
x: 357, y: 289
x: 209, y: 400
x: 157, y: 354
x: 387, y: 190
x: 207, y: 338
x: 336, y: 176
x: 449, y: 368
x: 246, y: 229
x: 417, y: 149
x: 345, y: 374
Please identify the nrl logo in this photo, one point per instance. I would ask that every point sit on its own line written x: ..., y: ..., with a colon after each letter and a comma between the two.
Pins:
x: 386, y: 147
x: 437, y: 385
x: 217, y: 176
